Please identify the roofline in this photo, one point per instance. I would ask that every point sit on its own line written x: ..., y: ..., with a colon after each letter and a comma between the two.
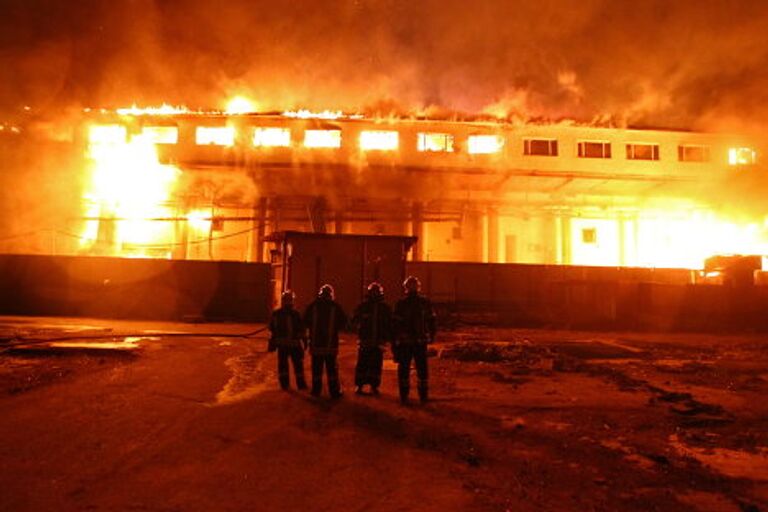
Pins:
x: 361, y: 118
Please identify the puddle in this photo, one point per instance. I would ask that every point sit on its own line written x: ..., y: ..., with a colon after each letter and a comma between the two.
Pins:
x: 136, y: 339
x: 128, y: 343
x: 74, y: 327
x: 248, y: 380
x: 732, y: 463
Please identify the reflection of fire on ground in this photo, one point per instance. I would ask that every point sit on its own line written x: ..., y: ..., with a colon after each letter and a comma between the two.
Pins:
x: 249, y: 378
x: 605, y: 425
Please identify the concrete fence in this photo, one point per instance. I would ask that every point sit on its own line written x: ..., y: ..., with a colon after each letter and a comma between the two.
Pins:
x: 502, y: 294
x: 590, y: 297
x: 133, y: 288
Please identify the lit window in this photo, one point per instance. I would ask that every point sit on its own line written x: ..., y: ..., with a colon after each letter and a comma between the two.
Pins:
x: 484, y: 144
x: 322, y: 138
x: 594, y: 149
x: 379, y: 140
x: 107, y: 134
x: 161, y: 134
x: 742, y: 156
x: 441, y: 142
x: 642, y: 151
x: 690, y: 153
x: 540, y: 147
x: 272, y: 137
x: 218, y: 136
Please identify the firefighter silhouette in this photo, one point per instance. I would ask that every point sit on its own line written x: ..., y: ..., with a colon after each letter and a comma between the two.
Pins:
x: 324, y: 318
x: 373, y: 322
x: 287, y: 338
x: 415, y: 328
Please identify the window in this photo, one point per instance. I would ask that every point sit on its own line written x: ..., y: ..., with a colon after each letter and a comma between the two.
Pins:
x: 161, y: 134
x: 440, y: 142
x: 216, y: 136
x: 107, y: 134
x: 540, y: 147
x: 484, y: 144
x: 642, y: 151
x: 589, y: 149
x: 742, y: 156
x: 322, y: 138
x: 272, y: 137
x: 589, y: 235
x: 379, y: 140
x: 692, y: 153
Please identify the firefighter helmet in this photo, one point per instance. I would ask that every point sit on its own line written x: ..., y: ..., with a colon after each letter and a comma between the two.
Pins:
x: 287, y: 298
x: 375, y: 291
x: 326, y: 292
x: 411, y: 284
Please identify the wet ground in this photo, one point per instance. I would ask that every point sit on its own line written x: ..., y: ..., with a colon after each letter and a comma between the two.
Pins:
x: 99, y: 415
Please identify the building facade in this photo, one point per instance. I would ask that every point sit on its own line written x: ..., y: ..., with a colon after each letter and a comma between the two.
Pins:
x: 470, y: 191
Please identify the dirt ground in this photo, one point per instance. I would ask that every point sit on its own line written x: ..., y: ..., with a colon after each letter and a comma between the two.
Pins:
x: 167, y: 417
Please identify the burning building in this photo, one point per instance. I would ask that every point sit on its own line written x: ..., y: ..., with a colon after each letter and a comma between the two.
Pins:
x: 177, y: 184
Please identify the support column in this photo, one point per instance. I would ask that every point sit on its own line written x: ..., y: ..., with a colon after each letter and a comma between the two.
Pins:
x: 258, y: 231
x: 181, y: 233
x: 339, y: 225
x: 550, y: 239
x: 317, y: 211
x: 493, y: 235
x: 563, y: 240
x: 417, y: 230
x: 622, y: 241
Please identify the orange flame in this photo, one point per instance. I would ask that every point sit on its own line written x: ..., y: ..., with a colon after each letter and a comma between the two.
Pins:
x: 163, y: 110
x: 129, y: 191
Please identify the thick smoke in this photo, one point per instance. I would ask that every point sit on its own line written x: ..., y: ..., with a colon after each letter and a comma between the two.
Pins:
x: 698, y: 64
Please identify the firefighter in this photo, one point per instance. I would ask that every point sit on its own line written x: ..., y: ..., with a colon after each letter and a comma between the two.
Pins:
x: 287, y: 337
x: 324, y: 318
x: 373, y: 322
x: 415, y: 328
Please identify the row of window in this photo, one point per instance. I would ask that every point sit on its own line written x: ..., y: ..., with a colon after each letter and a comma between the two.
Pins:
x: 389, y: 140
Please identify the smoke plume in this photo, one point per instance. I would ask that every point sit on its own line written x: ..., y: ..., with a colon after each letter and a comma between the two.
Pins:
x: 654, y: 63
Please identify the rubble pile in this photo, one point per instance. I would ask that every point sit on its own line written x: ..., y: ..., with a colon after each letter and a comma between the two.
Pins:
x: 518, y: 353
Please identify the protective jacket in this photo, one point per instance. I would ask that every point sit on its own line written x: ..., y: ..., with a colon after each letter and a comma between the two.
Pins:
x: 373, y: 321
x: 286, y: 328
x: 414, y: 320
x: 324, y: 318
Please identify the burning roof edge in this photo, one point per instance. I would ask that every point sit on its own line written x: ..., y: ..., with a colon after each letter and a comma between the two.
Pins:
x: 478, y: 121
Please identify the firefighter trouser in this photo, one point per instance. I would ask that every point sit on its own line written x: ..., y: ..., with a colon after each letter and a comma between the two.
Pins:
x: 296, y: 355
x: 332, y: 372
x: 417, y: 352
x: 368, y: 369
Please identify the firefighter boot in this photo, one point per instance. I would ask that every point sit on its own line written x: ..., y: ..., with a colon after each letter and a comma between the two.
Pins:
x: 423, y: 391
x: 404, y: 394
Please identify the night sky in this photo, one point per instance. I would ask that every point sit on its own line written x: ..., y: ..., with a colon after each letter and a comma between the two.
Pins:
x: 665, y: 63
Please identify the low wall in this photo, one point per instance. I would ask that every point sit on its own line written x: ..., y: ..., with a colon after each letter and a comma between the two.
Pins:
x: 590, y: 297
x: 133, y: 288
x: 503, y: 294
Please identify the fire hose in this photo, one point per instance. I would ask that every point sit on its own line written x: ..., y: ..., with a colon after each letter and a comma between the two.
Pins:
x: 8, y: 343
